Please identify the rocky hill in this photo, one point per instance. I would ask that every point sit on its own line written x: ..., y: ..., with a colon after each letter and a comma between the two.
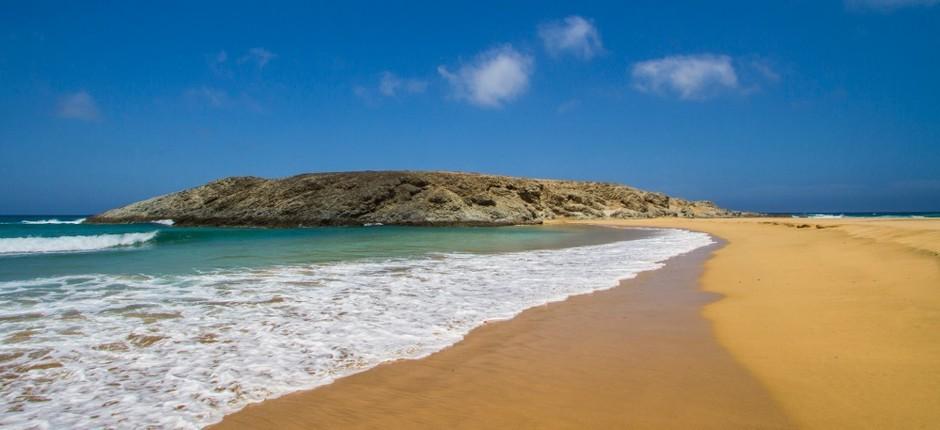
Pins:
x: 402, y: 198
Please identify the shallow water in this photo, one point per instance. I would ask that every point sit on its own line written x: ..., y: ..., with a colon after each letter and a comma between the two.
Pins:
x: 43, y: 250
x: 135, y: 325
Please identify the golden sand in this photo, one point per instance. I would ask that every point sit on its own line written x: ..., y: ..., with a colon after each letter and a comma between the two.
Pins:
x: 822, y: 324
x: 839, y: 319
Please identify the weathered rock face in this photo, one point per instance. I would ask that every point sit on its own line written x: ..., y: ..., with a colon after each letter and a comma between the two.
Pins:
x: 403, y: 198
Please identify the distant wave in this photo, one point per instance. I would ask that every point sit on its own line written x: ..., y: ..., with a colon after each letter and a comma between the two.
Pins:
x: 167, y: 222
x: 32, y: 244
x: 54, y: 221
x: 819, y: 216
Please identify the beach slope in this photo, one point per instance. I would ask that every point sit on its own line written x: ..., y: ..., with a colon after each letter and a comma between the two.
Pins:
x: 793, y: 323
x: 839, y: 319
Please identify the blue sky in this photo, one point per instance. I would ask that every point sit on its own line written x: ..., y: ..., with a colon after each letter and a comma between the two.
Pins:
x: 768, y: 106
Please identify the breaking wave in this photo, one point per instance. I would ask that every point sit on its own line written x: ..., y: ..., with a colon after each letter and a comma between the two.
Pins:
x: 32, y: 244
x: 53, y: 221
x: 819, y: 216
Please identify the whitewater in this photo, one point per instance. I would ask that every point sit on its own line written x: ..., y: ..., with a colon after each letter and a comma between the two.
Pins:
x: 53, y: 221
x: 35, y: 244
x: 181, y: 351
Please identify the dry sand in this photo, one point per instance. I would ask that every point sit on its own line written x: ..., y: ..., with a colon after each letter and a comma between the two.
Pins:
x: 822, y: 324
x: 839, y: 319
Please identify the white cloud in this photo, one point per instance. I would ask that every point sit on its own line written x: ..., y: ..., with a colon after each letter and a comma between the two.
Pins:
x: 574, y: 35
x: 888, y: 4
x: 79, y: 105
x: 690, y: 77
x: 494, y: 78
x: 391, y: 85
x: 259, y: 56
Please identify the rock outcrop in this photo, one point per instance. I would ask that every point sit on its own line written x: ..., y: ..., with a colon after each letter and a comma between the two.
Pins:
x: 402, y: 198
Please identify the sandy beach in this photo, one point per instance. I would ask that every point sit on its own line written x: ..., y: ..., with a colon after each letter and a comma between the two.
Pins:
x: 792, y: 323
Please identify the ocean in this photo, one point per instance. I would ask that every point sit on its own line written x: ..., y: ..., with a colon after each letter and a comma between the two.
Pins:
x: 832, y: 215
x: 130, y: 326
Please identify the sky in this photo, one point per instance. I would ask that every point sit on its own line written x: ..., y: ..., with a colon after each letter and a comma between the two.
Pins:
x: 762, y: 106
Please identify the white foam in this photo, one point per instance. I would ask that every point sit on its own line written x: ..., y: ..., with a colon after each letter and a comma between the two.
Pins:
x: 224, y: 339
x: 37, y: 244
x: 825, y: 216
x: 54, y: 221
x: 168, y: 222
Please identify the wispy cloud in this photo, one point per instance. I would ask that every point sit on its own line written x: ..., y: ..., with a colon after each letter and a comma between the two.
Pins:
x: 764, y: 69
x: 237, y: 82
x: 258, y: 56
x: 885, y: 5
x: 689, y: 77
x: 573, y: 35
x: 568, y: 106
x: 221, y: 65
x: 216, y: 98
x: 212, y: 97
x: 494, y: 78
x: 78, y: 105
x: 218, y: 64
x: 391, y: 85
x: 366, y: 95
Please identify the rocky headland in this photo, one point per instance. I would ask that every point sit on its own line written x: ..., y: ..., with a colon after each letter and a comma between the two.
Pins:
x: 402, y: 198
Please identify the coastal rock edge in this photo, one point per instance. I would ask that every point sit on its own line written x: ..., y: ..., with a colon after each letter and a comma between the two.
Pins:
x: 402, y: 198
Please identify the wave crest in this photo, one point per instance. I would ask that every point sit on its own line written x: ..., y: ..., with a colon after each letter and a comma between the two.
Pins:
x: 32, y: 245
x: 54, y: 221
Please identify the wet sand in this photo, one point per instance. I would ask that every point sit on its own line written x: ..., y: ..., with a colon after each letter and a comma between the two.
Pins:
x: 821, y: 324
x: 838, y: 318
x: 637, y: 356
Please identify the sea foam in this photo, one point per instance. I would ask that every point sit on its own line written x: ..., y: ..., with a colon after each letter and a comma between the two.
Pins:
x: 36, y: 244
x: 105, y: 351
x: 53, y: 221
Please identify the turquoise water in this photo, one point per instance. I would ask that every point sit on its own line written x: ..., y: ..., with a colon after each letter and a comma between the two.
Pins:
x: 154, y: 326
x: 180, y: 250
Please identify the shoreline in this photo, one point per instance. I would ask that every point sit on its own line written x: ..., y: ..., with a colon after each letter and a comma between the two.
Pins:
x: 843, y: 313
x: 648, y: 349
